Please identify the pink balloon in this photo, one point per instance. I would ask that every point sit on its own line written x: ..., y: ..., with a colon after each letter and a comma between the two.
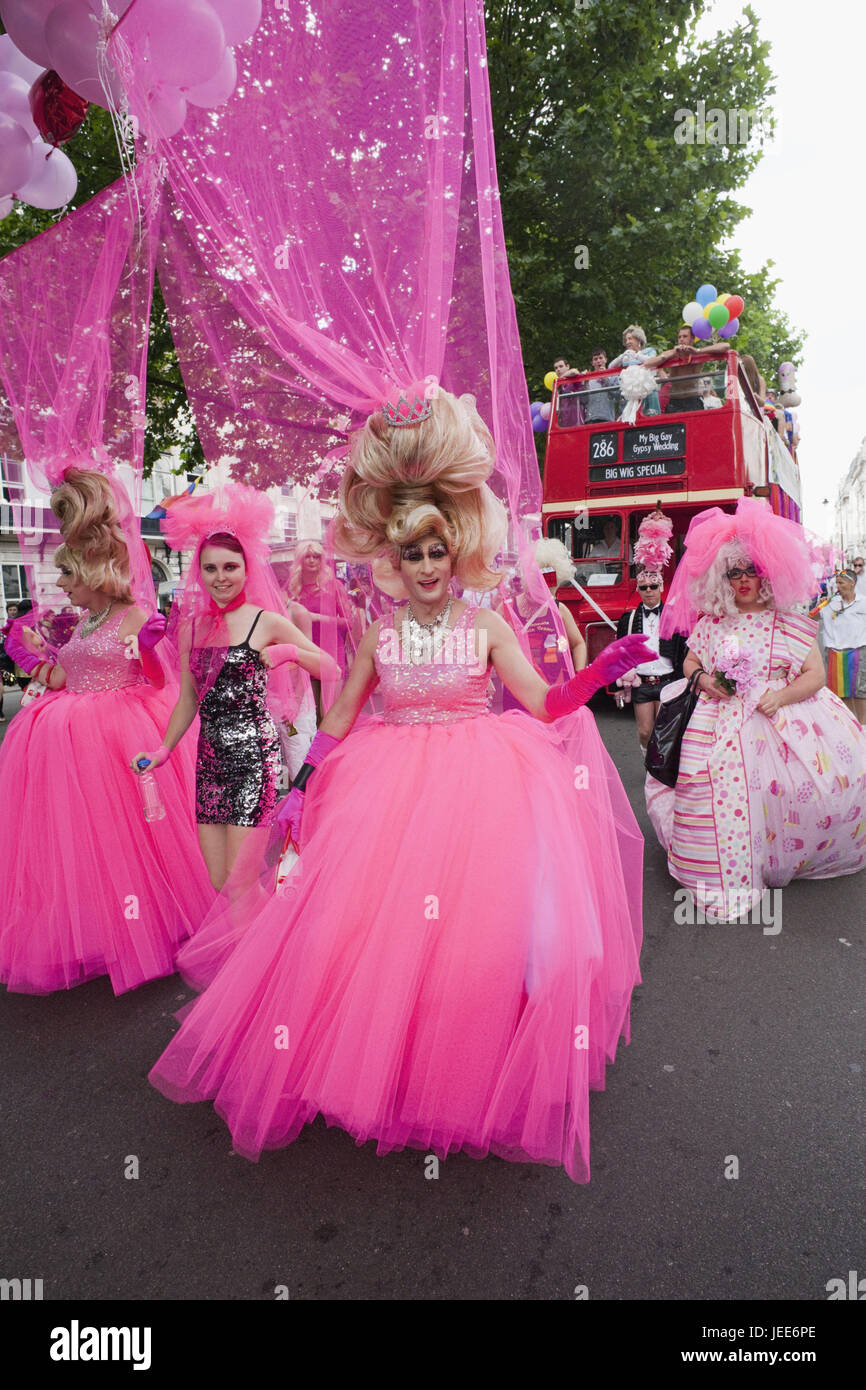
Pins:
x: 11, y: 60
x: 185, y: 42
x: 24, y: 22
x: 54, y: 180
x: 218, y: 88
x: 15, y: 146
x: 72, y: 34
x: 166, y: 112
x: 15, y: 101
x: 240, y: 18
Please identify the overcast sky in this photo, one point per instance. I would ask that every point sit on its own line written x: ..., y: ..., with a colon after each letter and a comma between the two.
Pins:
x: 808, y: 204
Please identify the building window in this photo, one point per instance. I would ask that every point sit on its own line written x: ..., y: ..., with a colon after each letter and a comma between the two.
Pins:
x: 13, y: 583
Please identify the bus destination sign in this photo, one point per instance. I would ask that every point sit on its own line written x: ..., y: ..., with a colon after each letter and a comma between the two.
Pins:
x: 655, y: 451
x: 655, y: 442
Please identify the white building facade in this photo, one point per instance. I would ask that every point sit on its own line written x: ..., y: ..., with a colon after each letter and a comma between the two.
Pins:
x: 849, y: 531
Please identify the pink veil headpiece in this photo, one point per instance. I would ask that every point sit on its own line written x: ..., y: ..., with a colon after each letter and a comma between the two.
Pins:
x: 779, y: 549
x: 247, y: 515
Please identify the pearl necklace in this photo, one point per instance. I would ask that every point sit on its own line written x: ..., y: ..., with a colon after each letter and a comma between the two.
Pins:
x: 422, y: 637
x: 92, y: 623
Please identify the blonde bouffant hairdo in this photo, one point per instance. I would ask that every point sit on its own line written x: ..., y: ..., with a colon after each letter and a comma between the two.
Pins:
x: 94, y: 547
x: 404, y: 482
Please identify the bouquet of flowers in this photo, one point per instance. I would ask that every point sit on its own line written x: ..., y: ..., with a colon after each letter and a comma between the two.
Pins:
x: 735, y: 670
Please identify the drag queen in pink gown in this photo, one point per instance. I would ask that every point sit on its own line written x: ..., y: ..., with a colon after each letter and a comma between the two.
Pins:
x: 450, y: 963
x: 772, y: 777
x: 89, y: 887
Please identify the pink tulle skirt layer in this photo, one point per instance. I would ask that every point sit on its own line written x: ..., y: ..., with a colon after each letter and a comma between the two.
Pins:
x: 88, y: 886
x: 450, y: 964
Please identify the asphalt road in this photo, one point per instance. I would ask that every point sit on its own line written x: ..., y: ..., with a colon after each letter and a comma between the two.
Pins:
x: 744, y: 1046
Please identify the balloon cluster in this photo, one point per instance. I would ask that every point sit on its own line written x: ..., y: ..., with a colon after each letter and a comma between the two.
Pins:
x: 175, y: 51
x: 709, y: 311
x: 540, y: 412
x: 35, y: 104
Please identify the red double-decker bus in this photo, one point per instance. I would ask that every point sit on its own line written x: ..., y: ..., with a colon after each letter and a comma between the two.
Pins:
x: 699, y: 440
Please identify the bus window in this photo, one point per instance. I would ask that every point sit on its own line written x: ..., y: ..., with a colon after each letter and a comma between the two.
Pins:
x: 598, y: 551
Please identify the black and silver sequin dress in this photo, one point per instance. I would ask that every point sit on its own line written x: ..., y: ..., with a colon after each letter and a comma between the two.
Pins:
x: 238, y: 761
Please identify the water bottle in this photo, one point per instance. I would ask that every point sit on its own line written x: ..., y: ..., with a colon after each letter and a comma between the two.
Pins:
x: 151, y: 801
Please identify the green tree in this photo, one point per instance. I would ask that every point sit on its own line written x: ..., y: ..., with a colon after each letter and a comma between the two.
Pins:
x: 585, y: 100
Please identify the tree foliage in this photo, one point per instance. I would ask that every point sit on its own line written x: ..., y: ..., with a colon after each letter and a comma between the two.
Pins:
x: 585, y: 98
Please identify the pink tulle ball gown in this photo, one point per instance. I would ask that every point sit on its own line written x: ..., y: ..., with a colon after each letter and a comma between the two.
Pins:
x: 450, y: 963
x: 89, y: 887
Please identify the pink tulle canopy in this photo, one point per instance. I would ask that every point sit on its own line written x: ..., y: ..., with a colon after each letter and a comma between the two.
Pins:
x: 329, y: 233
x: 779, y: 549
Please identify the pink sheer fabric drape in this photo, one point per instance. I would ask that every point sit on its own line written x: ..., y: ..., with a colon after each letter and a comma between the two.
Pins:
x: 333, y: 231
x: 74, y: 311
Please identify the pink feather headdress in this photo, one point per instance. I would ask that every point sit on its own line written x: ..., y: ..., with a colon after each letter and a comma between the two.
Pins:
x: 652, y: 550
x: 243, y: 512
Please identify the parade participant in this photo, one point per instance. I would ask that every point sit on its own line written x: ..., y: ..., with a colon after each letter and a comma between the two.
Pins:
x: 313, y: 583
x: 772, y: 774
x: 648, y: 680
x: 430, y: 975
x: 643, y: 685
x: 535, y: 620
x: 90, y: 886
x: 231, y: 634
x: 843, y: 620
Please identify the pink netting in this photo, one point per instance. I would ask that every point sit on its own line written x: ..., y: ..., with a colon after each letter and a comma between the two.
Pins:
x: 74, y: 310
x: 335, y: 229
x: 779, y: 549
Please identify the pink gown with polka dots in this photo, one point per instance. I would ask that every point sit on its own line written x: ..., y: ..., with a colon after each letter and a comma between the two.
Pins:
x: 760, y: 801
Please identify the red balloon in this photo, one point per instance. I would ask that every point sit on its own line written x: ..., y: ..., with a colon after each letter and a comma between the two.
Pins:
x: 734, y: 306
x: 57, y: 110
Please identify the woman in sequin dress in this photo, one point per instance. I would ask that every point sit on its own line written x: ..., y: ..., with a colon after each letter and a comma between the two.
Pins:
x: 772, y: 777
x: 449, y: 965
x: 225, y: 682
x: 89, y: 886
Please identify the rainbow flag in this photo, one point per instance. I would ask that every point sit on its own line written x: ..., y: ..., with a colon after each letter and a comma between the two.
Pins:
x: 842, y: 670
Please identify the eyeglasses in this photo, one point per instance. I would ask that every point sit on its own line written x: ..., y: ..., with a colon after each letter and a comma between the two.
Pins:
x: 858, y: 567
x: 645, y: 588
x: 749, y: 573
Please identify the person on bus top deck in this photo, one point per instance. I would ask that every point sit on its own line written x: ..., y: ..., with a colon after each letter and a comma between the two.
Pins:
x: 600, y: 406
x: 563, y: 368
x: 684, y: 388
x: 648, y: 679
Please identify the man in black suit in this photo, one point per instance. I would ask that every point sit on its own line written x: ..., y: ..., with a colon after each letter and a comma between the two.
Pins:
x: 654, y: 675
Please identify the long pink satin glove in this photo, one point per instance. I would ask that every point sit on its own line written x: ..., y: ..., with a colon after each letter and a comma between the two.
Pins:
x: 151, y: 632
x: 618, y: 657
x: 291, y: 811
x: 21, y: 655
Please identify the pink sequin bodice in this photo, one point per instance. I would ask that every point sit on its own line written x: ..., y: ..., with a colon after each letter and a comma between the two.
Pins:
x: 99, y: 661
x: 453, y: 685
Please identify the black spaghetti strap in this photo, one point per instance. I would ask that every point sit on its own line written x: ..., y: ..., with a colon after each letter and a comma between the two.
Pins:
x: 246, y: 641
